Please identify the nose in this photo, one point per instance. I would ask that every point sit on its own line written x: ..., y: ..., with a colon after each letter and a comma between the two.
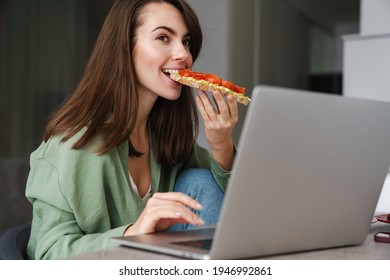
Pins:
x: 181, y: 52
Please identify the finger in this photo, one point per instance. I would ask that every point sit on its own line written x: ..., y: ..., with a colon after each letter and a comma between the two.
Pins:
x: 160, y: 217
x: 172, y: 213
x: 189, y: 217
x: 166, y: 223
x: 171, y: 210
x: 216, y: 103
x: 178, y: 197
x: 233, y: 107
x: 208, y: 107
x: 177, y: 203
x: 221, y: 104
x: 202, y: 111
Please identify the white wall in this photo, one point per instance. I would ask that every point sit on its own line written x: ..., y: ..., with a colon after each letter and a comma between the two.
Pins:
x: 375, y: 17
x: 366, y: 64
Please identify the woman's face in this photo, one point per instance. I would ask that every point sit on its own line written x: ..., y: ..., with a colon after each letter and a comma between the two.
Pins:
x: 162, y: 43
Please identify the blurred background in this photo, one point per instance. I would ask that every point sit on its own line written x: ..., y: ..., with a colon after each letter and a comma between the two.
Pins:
x: 45, y: 44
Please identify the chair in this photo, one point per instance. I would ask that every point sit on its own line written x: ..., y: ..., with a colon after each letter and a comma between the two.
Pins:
x: 13, y: 243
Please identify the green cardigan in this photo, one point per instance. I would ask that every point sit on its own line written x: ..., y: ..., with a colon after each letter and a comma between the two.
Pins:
x: 81, y: 199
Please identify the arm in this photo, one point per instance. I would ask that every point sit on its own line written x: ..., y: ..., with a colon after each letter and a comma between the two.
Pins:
x: 58, y: 231
x: 61, y: 238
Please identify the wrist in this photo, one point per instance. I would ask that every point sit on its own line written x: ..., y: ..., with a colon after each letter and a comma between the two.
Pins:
x: 224, y: 156
x: 128, y: 231
x: 226, y: 146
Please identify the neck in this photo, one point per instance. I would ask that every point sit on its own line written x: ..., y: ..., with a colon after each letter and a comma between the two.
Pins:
x: 140, y: 134
x: 139, y: 138
x: 144, y: 109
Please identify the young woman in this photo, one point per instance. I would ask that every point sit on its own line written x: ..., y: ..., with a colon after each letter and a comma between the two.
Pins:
x: 120, y: 157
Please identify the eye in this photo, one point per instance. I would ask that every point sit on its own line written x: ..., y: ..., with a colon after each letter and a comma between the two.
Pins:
x: 163, y: 38
x: 187, y: 42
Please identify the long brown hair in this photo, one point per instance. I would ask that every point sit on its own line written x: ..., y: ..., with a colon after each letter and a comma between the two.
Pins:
x: 105, y: 101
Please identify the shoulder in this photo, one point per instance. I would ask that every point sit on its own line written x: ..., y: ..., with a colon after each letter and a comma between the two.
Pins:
x: 65, y: 159
x: 56, y: 148
x: 57, y: 168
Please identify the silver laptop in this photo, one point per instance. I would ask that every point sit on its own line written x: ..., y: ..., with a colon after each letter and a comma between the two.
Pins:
x: 308, y: 174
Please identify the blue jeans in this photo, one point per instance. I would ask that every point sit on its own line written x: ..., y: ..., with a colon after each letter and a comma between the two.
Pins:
x: 200, y: 184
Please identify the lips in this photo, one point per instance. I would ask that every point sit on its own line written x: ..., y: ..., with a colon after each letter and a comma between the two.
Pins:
x: 168, y: 71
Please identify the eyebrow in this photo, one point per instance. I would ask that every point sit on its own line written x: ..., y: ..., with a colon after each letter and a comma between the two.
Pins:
x: 170, y: 30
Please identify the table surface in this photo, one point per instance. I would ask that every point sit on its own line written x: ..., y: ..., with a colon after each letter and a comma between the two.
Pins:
x: 369, y: 250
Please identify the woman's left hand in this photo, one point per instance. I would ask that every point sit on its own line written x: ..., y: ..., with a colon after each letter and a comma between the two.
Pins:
x: 219, y: 123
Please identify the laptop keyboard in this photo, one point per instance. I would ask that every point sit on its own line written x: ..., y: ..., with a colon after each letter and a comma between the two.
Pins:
x: 201, y: 244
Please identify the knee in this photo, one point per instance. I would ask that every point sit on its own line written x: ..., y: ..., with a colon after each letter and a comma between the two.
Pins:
x: 195, y: 174
x: 196, y: 178
x: 200, y: 185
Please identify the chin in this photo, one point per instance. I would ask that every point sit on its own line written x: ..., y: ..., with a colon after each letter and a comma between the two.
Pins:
x: 171, y: 98
x: 171, y: 95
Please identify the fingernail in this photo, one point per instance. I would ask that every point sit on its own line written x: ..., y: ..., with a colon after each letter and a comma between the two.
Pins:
x: 200, y: 221
x: 199, y: 206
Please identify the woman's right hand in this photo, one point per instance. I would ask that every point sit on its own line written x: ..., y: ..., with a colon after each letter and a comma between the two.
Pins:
x: 164, y: 210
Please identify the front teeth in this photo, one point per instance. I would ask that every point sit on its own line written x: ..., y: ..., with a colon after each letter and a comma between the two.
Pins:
x: 169, y: 71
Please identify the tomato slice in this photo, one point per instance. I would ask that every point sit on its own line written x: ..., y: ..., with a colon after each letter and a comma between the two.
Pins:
x: 197, y: 75
x: 189, y: 73
x: 228, y: 84
x: 239, y: 89
x: 185, y: 72
x: 213, y: 79
x: 233, y: 87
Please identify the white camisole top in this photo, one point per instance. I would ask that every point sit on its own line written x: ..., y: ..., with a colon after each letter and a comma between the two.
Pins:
x: 135, y: 189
